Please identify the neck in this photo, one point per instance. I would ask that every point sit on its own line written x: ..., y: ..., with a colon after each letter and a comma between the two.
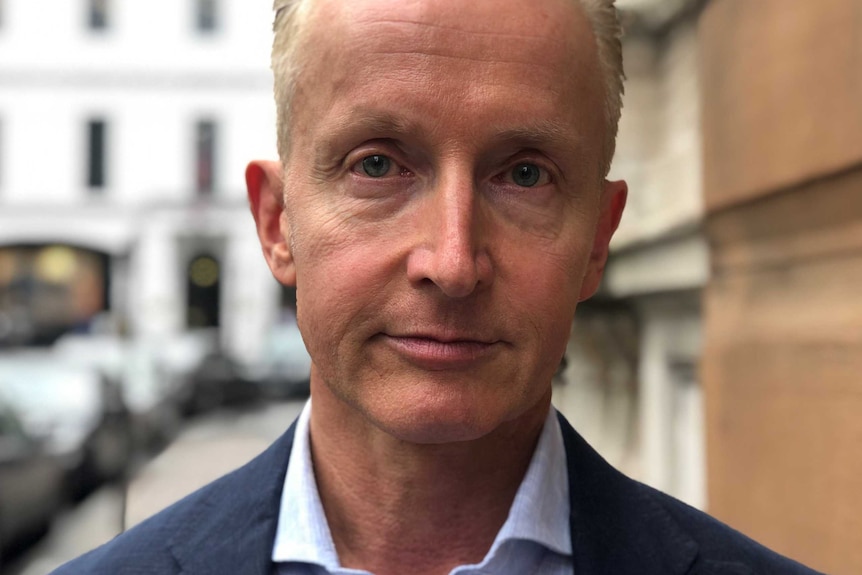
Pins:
x: 391, y: 503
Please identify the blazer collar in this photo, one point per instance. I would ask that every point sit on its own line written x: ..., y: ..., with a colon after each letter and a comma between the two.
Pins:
x: 238, y: 518
x: 618, y: 525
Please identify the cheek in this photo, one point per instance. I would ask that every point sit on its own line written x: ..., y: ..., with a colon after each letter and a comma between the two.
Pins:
x: 340, y: 285
x: 547, y: 273
x: 544, y: 286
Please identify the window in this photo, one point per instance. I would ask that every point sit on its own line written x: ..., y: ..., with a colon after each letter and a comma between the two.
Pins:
x: 205, y: 157
x: 96, y: 148
x: 207, y: 17
x: 98, y: 14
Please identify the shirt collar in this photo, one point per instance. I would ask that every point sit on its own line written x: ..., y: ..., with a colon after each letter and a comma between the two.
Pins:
x: 539, y: 512
x: 303, y: 533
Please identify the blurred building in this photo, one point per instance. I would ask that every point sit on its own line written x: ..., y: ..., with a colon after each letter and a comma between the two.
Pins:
x: 782, y: 110
x: 721, y: 360
x: 125, y: 128
x: 631, y: 384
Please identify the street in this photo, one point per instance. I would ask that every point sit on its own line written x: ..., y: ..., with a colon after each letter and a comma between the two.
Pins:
x: 205, y: 449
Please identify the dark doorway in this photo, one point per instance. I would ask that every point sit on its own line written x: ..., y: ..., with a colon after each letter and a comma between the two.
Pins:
x: 203, y: 288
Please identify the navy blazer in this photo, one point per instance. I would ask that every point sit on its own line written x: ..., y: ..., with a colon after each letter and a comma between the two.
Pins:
x: 619, y: 527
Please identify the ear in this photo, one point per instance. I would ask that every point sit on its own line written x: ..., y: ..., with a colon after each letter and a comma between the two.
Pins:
x: 610, y: 211
x: 266, y: 199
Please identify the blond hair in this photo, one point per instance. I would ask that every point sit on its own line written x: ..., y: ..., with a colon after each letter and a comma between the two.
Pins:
x: 288, y: 30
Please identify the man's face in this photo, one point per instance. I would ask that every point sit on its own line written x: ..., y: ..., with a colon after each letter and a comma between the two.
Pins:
x: 442, y: 194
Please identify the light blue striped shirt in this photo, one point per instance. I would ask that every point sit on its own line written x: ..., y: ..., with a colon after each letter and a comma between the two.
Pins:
x: 534, y: 539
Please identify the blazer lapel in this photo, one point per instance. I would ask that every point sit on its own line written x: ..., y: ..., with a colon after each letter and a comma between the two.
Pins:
x: 618, y: 527
x: 238, y: 518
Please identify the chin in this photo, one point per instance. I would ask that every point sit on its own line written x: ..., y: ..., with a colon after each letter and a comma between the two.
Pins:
x: 437, y: 420
x: 434, y: 432
x: 434, y: 409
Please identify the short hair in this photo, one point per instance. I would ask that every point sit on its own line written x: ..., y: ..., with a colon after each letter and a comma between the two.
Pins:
x: 288, y: 28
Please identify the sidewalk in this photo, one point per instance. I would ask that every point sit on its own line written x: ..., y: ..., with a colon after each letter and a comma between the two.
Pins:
x: 206, y: 449
x: 203, y: 453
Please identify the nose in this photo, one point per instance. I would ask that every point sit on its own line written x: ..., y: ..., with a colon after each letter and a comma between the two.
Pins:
x: 451, y: 248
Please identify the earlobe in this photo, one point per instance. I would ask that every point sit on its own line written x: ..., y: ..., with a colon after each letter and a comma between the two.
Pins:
x: 610, y: 212
x: 266, y: 199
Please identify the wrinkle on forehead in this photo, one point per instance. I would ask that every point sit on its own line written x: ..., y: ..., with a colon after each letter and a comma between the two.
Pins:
x: 459, y: 29
x: 410, y: 38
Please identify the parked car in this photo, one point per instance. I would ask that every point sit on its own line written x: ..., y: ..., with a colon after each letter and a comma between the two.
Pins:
x: 152, y: 396
x: 78, y: 413
x: 150, y: 391
x: 283, y: 369
x: 181, y: 356
x: 31, y: 482
x: 219, y: 381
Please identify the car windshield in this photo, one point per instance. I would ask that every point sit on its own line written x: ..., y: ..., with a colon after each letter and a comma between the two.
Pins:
x: 50, y: 389
x: 285, y: 345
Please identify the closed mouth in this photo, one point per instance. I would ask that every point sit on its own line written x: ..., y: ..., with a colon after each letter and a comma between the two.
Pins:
x: 437, y: 352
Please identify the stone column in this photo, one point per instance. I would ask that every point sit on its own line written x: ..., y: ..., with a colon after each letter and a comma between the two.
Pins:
x: 782, y: 365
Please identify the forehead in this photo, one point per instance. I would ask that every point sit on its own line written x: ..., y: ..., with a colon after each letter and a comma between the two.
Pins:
x: 438, y: 57
x: 526, y: 20
x: 481, y: 30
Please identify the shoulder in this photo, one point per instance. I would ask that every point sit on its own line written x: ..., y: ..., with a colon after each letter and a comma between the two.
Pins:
x: 145, y: 548
x: 621, y: 525
x: 723, y: 549
x: 138, y: 551
x: 207, y: 526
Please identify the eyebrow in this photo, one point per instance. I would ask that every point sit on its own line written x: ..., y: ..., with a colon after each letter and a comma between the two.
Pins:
x: 380, y: 123
x: 539, y: 135
x: 375, y: 122
x: 360, y: 123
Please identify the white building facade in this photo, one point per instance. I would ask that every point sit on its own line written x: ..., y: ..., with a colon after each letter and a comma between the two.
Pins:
x: 125, y: 127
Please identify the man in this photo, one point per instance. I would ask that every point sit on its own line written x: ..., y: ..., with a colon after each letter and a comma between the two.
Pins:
x: 441, y: 206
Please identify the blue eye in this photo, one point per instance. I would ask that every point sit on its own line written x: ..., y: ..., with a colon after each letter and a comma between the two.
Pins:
x: 526, y: 175
x: 376, y: 166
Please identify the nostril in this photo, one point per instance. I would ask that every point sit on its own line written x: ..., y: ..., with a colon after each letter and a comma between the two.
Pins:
x: 455, y: 275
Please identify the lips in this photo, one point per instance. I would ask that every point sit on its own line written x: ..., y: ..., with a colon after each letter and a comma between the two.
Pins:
x: 438, y: 353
